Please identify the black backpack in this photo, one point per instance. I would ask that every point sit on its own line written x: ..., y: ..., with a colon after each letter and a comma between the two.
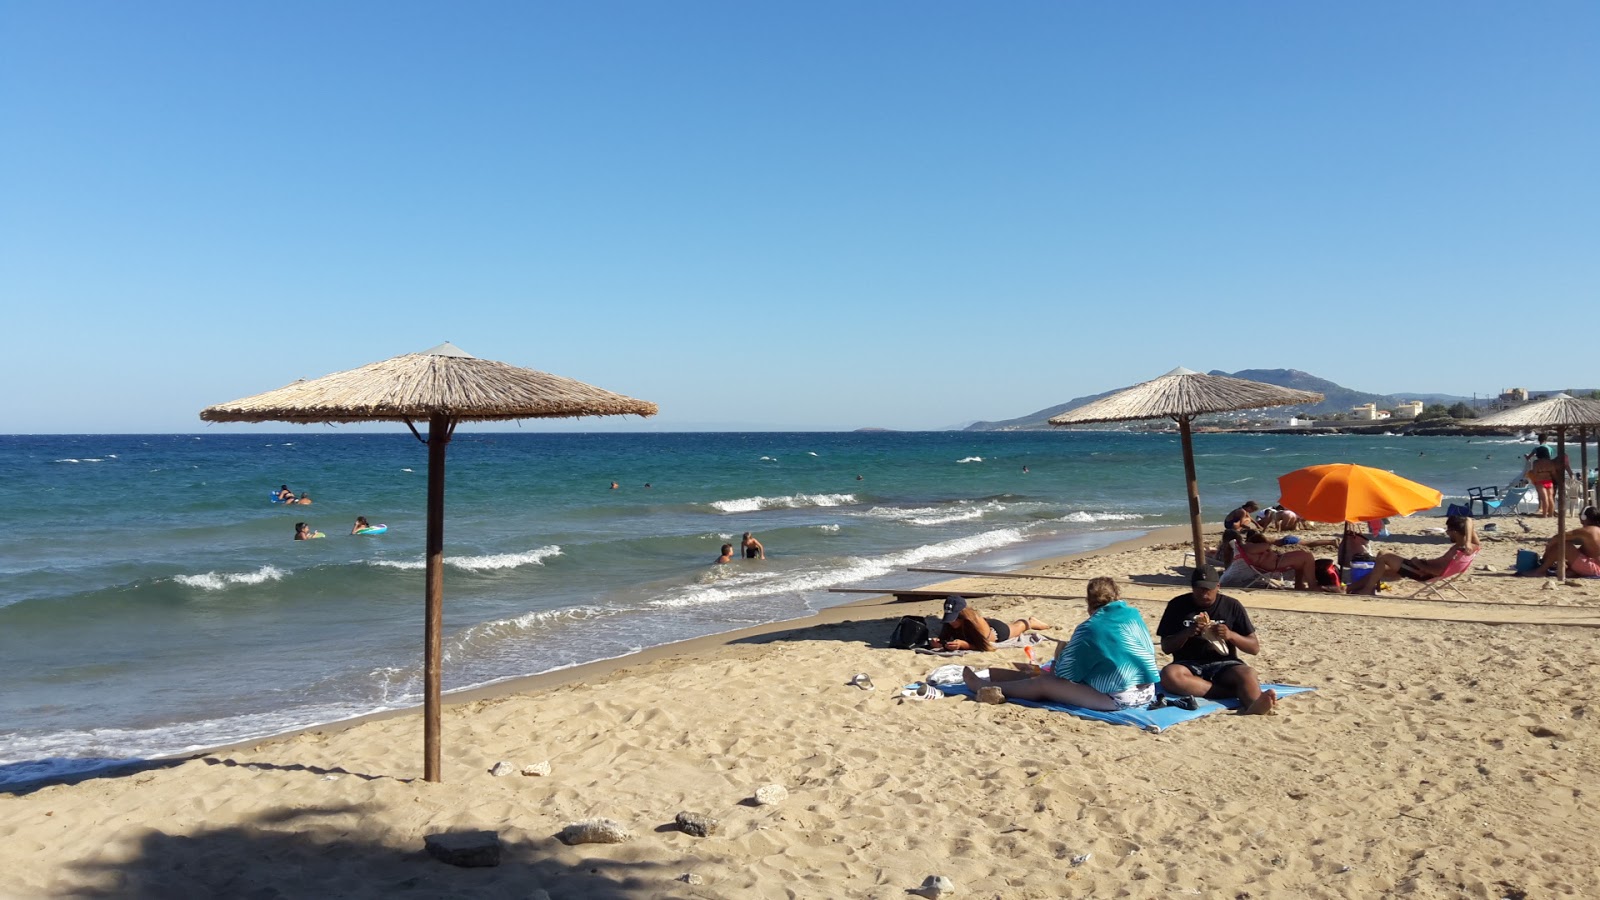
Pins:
x: 912, y: 632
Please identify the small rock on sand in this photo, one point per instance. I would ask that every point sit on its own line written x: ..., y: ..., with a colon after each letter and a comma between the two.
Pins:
x: 936, y: 886
x: 595, y: 831
x: 502, y: 769
x: 540, y: 769
x: 697, y: 824
x: 468, y: 849
x: 691, y: 878
x: 772, y: 794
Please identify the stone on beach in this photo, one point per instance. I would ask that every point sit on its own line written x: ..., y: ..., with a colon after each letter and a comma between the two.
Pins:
x: 595, y: 831
x: 771, y: 795
x: 539, y: 769
x: 697, y: 824
x: 502, y: 769
x: 936, y: 886
x: 468, y: 849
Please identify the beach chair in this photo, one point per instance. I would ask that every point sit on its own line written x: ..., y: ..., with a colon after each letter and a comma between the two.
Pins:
x: 1457, y: 568
x: 1489, y: 500
x: 1261, y: 577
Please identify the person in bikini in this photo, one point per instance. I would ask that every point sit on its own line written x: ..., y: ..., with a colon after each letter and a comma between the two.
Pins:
x: 1463, y: 539
x: 1542, y: 474
x: 1583, y: 548
x: 967, y: 629
x: 1265, y: 557
x: 1242, y: 519
x: 1204, y: 631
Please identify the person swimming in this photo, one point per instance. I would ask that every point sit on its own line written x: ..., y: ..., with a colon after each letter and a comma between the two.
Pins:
x: 285, y: 495
x: 361, y: 522
x: 727, y: 555
x: 303, y: 532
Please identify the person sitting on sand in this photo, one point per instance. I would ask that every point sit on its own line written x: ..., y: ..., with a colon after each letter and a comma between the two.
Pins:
x: 1242, y: 519
x: 1583, y: 549
x: 1265, y: 557
x: 1204, y: 631
x: 752, y: 547
x: 1463, y: 539
x: 727, y: 555
x: 967, y: 629
x: 1108, y: 664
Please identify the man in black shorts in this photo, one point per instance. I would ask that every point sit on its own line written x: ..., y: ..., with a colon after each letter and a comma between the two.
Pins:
x: 1204, y: 631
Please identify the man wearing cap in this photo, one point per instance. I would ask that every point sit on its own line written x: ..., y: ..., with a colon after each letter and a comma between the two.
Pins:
x: 1204, y: 631
x: 967, y: 629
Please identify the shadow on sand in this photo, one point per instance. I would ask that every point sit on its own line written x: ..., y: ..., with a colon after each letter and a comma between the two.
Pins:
x: 293, y: 851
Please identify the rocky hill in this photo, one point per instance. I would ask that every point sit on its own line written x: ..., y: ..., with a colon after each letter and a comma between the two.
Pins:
x: 1337, y: 398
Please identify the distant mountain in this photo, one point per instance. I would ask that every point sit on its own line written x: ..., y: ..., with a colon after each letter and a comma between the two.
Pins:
x: 1337, y: 398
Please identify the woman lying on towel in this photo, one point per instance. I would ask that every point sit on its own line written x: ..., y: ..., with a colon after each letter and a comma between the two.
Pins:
x: 967, y: 629
x: 1463, y: 539
x: 1109, y: 663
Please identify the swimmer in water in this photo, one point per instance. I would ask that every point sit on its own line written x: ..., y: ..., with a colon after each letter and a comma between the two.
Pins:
x: 361, y: 522
x: 727, y: 555
x: 752, y: 547
x: 303, y: 532
x: 613, y: 485
x: 285, y: 494
x: 305, y: 499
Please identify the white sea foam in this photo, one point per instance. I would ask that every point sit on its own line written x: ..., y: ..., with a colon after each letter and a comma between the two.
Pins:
x: 935, y: 515
x: 529, y: 621
x: 1081, y: 516
x: 794, y: 501
x: 483, y: 563
x: 854, y: 569
x: 970, y: 459
x: 811, y: 453
x: 216, y: 581
x: 828, y: 528
x: 85, y: 460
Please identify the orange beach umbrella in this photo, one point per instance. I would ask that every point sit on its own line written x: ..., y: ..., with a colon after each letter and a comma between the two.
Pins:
x: 1344, y: 492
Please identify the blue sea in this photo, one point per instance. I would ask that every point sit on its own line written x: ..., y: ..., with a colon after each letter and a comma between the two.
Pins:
x: 153, y: 601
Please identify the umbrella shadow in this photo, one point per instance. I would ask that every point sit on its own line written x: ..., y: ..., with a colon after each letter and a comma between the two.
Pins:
x: 870, y: 632
x: 298, y: 851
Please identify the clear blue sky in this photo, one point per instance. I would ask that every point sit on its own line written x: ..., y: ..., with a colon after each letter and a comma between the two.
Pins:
x: 807, y: 215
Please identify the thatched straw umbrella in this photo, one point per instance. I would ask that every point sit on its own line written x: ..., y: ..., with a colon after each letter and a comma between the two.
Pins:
x: 443, y: 387
x: 1559, y: 413
x: 1181, y: 395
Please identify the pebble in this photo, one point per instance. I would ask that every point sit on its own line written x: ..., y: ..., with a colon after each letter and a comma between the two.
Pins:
x: 595, y: 831
x: 1081, y: 858
x: 697, y: 824
x: 539, y: 769
x: 771, y: 794
x: 691, y: 878
x: 936, y: 886
x: 502, y: 769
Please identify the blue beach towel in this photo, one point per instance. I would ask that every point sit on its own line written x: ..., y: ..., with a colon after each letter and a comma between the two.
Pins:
x: 1147, y: 719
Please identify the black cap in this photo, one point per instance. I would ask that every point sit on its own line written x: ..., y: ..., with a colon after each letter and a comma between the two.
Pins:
x: 953, y: 605
x: 1204, y: 577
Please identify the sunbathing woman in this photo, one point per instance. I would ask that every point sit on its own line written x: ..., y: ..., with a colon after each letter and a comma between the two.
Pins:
x: 1463, y: 539
x: 1261, y: 554
x: 1109, y: 664
x: 967, y: 629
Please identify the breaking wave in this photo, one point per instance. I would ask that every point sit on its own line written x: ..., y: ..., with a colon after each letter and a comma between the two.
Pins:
x: 793, y: 501
x: 216, y: 581
x: 485, y: 563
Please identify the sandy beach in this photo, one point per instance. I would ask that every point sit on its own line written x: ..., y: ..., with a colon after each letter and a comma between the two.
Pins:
x: 1435, y: 759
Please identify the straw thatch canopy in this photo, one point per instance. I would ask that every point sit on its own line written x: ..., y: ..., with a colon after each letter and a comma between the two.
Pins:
x: 418, y: 386
x: 1560, y: 411
x: 440, y: 387
x: 1180, y: 393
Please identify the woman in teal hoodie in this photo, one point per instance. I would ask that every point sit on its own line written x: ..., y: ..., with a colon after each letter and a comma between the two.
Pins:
x: 1108, y: 664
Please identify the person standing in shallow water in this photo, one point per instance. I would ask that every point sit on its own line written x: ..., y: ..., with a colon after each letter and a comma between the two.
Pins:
x: 727, y: 555
x: 752, y: 547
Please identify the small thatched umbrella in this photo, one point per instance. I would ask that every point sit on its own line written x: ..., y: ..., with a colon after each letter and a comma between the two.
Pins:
x: 442, y: 387
x: 1559, y: 413
x: 1181, y: 395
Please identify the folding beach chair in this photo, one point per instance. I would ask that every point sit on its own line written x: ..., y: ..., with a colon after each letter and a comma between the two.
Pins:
x: 1457, y: 568
x: 1261, y: 577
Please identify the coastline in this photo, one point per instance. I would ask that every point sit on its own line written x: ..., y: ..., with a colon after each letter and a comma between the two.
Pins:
x: 1433, y: 759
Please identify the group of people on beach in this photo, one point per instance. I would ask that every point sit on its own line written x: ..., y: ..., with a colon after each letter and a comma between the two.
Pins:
x: 1109, y: 663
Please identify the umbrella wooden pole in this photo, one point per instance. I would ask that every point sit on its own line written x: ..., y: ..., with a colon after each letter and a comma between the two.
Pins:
x: 1194, y: 492
x: 439, y: 428
x: 1561, y: 504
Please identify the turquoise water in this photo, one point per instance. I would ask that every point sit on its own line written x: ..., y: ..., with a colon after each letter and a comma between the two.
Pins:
x: 154, y: 601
